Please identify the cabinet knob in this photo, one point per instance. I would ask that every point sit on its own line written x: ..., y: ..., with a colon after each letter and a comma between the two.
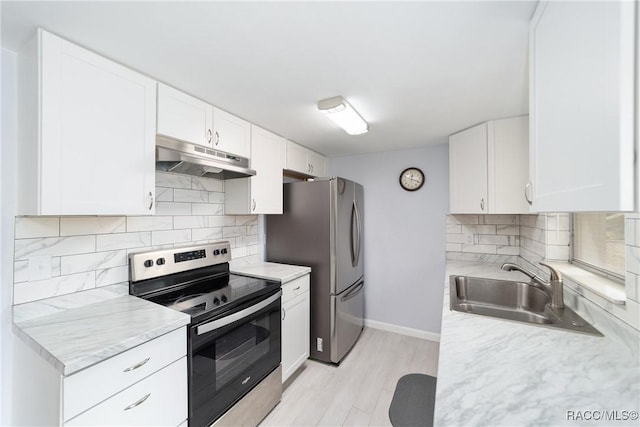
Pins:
x: 217, y: 138
x: 482, y: 203
x: 150, y: 200
x: 253, y: 205
x: 284, y: 313
x: 527, y: 192
x: 209, y: 136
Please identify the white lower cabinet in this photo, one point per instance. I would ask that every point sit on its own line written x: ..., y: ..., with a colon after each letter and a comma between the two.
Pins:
x: 158, y: 400
x: 145, y: 385
x: 295, y: 325
x: 119, y: 372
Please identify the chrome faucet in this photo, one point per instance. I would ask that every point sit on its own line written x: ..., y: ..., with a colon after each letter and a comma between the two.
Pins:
x: 553, y: 287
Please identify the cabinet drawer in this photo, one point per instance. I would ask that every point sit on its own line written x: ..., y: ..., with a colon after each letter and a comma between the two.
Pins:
x: 96, y: 383
x: 294, y: 288
x: 159, y: 400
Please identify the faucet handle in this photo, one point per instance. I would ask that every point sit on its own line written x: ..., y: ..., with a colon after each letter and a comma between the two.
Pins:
x: 555, y: 274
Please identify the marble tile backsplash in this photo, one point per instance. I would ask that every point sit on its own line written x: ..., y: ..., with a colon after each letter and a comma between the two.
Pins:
x: 62, y: 255
x: 491, y: 238
x: 544, y: 236
x: 483, y: 234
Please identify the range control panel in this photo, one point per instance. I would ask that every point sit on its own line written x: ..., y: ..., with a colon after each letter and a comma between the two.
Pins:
x: 148, y: 265
x: 188, y: 256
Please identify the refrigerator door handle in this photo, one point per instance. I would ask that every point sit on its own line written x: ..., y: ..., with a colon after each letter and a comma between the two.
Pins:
x: 354, y: 213
x: 359, y: 229
x: 353, y: 292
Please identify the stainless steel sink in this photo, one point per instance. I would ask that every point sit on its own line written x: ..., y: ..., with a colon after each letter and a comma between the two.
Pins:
x: 518, y: 301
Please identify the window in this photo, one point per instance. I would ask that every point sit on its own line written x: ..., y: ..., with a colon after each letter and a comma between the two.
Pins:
x: 598, y: 242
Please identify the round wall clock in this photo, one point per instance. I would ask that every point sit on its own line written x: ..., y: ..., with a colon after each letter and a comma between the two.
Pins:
x: 412, y: 179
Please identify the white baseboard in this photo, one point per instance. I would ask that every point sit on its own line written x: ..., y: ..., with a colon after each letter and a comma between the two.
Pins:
x: 403, y: 330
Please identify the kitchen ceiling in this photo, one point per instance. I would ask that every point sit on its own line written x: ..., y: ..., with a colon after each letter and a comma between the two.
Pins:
x: 416, y: 71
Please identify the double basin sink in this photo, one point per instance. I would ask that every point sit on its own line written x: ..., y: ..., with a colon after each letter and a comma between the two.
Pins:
x: 516, y: 301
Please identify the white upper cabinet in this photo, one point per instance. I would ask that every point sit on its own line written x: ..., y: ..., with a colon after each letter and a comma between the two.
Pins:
x: 301, y: 159
x: 231, y: 134
x: 582, y: 106
x: 297, y: 158
x: 184, y: 117
x: 488, y: 167
x: 260, y: 194
x: 508, y: 164
x: 468, y: 170
x: 87, y: 133
x: 317, y: 163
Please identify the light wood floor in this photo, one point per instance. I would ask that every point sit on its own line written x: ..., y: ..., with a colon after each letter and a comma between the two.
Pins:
x: 358, y: 392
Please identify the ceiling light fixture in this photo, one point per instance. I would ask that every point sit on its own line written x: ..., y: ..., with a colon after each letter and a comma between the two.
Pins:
x: 344, y: 115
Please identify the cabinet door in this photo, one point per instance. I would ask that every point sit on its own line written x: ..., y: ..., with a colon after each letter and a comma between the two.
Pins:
x: 508, y: 166
x: 582, y: 95
x: 297, y: 158
x: 266, y: 159
x: 184, y: 117
x: 231, y: 134
x: 468, y: 170
x: 97, y: 143
x: 295, y: 334
x: 317, y: 164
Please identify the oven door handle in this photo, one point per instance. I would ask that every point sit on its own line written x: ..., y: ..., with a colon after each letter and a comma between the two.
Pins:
x: 227, y: 320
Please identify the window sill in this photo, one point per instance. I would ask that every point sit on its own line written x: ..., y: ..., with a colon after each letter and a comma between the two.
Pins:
x: 608, y: 289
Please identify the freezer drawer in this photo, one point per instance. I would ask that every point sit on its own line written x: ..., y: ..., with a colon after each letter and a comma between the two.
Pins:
x: 349, y: 306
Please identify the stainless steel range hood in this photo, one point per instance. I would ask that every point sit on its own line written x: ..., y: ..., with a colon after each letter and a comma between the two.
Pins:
x: 177, y: 156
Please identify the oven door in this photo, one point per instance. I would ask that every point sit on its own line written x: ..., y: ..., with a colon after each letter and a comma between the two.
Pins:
x: 230, y: 354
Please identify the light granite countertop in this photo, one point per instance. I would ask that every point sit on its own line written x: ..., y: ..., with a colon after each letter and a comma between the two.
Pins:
x: 282, y: 273
x: 73, y: 336
x: 498, y: 373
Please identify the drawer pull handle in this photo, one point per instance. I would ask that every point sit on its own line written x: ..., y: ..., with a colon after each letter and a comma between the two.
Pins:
x: 137, y: 365
x: 295, y: 289
x: 138, y: 403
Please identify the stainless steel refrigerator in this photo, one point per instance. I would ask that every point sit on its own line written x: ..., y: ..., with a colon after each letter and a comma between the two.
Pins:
x: 322, y: 227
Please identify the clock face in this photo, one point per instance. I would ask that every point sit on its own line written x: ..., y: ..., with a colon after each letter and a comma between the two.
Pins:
x: 411, y: 179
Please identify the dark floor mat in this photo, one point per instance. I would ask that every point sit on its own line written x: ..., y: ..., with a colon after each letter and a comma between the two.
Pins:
x: 413, y: 401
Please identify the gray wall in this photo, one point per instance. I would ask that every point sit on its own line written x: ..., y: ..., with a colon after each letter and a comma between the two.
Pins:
x: 404, y: 234
x: 7, y: 184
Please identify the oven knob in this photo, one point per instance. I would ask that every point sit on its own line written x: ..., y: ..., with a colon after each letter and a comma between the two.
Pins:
x: 148, y: 263
x: 223, y: 298
x: 216, y: 252
x: 224, y: 251
x: 216, y: 301
x: 160, y: 261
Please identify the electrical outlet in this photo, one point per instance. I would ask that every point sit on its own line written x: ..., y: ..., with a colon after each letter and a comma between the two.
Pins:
x: 319, y: 344
x: 468, y: 239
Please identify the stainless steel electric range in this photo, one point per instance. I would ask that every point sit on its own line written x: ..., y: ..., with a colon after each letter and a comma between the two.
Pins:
x: 233, y: 341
